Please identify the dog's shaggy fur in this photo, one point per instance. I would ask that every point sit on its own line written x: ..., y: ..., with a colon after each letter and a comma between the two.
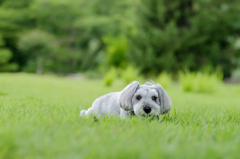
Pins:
x: 135, y: 99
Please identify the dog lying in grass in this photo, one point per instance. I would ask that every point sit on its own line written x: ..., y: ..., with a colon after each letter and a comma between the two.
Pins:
x: 141, y: 100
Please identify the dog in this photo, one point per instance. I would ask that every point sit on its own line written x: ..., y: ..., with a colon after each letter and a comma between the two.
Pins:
x: 149, y: 99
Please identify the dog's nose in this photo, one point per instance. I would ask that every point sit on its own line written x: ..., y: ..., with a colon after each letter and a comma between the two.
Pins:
x: 147, y: 109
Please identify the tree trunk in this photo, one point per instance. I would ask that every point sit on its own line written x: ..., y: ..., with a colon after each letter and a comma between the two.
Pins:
x: 39, y: 70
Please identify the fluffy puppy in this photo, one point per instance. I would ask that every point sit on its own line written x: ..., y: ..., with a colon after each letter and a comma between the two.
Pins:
x: 135, y: 99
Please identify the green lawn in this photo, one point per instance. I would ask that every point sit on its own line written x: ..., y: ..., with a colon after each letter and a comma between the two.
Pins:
x: 39, y: 118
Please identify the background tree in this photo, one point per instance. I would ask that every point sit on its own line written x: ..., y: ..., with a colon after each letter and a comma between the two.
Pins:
x: 5, y: 57
x: 40, y: 45
x: 152, y: 35
x: 184, y: 34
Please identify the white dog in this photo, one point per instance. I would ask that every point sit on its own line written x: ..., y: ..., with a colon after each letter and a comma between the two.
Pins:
x: 135, y: 99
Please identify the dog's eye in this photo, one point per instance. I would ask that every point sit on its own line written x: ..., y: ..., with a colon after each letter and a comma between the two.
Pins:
x: 138, y: 97
x: 154, y: 98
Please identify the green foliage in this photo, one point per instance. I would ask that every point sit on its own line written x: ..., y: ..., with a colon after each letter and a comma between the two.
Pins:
x: 187, y: 80
x: 40, y: 119
x: 130, y: 74
x: 164, y: 79
x: 116, y: 48
x: 40, y: 45
x: 110, y: 76
x: 207, y: 83
x: 10, y: 67
x: 5, y: 57
x: 200, y: 82
x: 2, y: 42
x: 37, y: 42
x: 172, y: 36
x: 153, y: 35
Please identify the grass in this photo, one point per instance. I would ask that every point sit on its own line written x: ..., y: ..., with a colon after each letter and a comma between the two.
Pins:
x: 39, y: 119
x: 200, y: 82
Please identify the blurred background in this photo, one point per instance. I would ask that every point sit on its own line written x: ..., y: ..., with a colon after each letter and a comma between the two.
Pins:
x: 111, y: 38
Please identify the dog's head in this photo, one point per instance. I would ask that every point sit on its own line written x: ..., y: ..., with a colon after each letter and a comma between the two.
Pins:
x: 145, y: 100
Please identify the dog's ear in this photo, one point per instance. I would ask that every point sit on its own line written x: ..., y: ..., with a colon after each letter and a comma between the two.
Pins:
x: 125, y: 97
x: 164, y: 99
